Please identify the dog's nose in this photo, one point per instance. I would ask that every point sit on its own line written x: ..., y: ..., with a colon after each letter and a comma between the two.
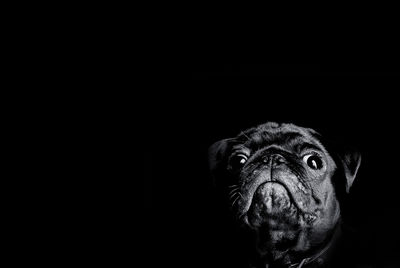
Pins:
x: 274, y: 160
x: 277, y: 160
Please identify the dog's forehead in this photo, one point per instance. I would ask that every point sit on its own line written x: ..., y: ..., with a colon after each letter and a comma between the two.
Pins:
x: 287, y: 130
x: 282, y: 134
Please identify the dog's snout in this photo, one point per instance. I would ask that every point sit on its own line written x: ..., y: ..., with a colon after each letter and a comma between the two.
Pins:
x: 278, y: 159
x: 274, y: 160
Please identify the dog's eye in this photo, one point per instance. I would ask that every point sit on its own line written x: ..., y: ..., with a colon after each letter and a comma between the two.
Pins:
x: 313, y: 161
x: 238, y: 161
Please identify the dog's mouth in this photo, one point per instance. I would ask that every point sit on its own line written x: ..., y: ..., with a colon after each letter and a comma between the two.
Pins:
x: 271, y: 200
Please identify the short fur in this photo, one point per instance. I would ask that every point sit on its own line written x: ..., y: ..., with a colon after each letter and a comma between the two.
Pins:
x: 293, y: 207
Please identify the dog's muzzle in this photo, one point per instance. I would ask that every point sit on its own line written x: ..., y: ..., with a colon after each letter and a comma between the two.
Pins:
x: 270, y: 200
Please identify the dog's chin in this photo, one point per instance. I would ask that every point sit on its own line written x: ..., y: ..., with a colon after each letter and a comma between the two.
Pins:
x: 272, y: 207
x: 275, y: 218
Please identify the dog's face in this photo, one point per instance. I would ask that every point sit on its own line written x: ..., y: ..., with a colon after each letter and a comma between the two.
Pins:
x: 280, y: 182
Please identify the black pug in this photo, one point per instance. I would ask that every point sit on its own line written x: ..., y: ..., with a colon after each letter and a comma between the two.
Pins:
x: 284, y: 183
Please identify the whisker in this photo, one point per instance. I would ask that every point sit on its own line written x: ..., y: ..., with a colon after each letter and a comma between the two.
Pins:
x: 245, y: 135
x: 233, y: 195
x: 234, y: 185
x: 235, y: 201
x: 233, y: 190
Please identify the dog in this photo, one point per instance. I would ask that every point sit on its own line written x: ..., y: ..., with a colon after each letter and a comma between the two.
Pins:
x: 284, y: 183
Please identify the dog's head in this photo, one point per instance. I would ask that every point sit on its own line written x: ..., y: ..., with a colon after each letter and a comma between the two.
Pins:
x: 280, y: 181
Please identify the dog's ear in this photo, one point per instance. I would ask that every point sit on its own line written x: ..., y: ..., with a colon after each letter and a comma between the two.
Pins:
x: 217, y: 153
x: 350, y: 160
x: 347, y: 159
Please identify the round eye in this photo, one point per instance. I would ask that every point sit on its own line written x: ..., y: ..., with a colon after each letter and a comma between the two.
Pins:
x: 313, y: 161
x: 238, y: 161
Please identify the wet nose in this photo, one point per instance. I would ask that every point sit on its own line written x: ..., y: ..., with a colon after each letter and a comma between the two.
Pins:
x: 274, y: 160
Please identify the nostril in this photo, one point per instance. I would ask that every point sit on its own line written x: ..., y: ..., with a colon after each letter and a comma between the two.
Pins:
x: 275, y: 159
x: 278, y: 159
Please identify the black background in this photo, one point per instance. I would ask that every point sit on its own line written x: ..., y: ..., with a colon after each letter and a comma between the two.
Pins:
x: 354, y: 104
